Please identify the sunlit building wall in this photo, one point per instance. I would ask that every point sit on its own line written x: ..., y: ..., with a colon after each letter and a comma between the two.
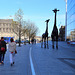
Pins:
x: 6, y: 28
x: 71, y: 19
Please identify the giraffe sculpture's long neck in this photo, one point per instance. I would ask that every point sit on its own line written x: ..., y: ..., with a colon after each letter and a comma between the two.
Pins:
x: 46, y: 27
x: 55, y: 20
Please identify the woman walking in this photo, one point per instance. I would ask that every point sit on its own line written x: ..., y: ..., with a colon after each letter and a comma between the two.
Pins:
x: 12, y: 49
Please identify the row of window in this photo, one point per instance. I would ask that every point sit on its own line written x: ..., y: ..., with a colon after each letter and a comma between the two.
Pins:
x: 5, y: 30
x: 4, y: 24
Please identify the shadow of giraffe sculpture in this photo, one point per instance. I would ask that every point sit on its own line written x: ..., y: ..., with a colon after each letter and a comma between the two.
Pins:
x: 45, y: 36
x: 54, y: 34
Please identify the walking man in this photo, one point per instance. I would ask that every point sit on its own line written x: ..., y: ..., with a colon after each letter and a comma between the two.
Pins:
x: 2, y: 50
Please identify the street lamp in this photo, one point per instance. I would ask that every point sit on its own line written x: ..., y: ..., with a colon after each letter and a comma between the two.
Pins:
x: 66, y: 22
x: 20, y: 35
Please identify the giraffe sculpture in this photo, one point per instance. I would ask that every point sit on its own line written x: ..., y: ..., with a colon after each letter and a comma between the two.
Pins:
x: 45, y: 36
x: 54, y: 34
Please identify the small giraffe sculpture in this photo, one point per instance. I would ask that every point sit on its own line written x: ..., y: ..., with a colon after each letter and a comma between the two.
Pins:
x: 45, y: 36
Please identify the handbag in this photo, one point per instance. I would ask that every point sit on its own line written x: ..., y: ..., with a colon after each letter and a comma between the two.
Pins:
x: 15, y: 52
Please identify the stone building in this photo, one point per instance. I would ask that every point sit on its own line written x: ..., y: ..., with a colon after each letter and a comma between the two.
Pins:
x: 62, y: 33
x: 6, y: 28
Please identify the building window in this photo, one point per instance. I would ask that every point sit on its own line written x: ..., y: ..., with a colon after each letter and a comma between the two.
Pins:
x: 6, y: 29
x: 0, y: 29
x: 10, y: 25
x: 7, y: 25
x: 0, y: 24
x: 10, y: 30
x: 4, y: 25
x: 3, y: 29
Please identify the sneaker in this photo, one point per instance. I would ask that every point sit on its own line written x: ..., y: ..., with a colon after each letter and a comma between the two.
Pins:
x: 53, y: 46
x: 2, y: 62
x: 11, y: 64
x: 56, y: 47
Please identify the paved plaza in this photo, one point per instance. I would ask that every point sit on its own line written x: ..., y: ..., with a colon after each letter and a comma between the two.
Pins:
x: 34, y: 60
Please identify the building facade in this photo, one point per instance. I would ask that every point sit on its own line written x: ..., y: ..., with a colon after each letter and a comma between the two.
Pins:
x: 72, y: 36
x: 62, y: 33
x: 6, y: 28
x: 71, y: 19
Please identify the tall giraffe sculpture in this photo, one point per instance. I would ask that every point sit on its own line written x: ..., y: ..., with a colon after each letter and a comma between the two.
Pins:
x: 45, y: 36
x: 54, y: 34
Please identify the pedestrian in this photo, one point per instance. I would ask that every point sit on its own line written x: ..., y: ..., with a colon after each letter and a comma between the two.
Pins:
x: 2, y: 50
x: 32, y: 40
x: 12, y: 50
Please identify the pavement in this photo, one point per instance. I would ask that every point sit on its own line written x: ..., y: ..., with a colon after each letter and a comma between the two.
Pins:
x: 34, y: 60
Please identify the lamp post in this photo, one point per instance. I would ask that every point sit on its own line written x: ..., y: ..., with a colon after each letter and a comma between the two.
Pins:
x: 20, y: 35
x: 66, y: 22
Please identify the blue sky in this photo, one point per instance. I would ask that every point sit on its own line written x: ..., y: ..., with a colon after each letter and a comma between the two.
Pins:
x: 36, y: 11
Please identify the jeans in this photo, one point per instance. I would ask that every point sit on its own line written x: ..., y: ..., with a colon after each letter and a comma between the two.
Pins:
x: 0, y: 57
x: 12, y: 57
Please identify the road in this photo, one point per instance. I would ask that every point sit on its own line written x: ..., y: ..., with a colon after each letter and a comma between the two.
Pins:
x: 34, y: 60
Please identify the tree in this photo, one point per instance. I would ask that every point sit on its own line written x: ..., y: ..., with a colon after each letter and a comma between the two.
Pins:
x: 24, y: 30
x: 15, y: 27
x: 19, y: 18
x: 31, y: 30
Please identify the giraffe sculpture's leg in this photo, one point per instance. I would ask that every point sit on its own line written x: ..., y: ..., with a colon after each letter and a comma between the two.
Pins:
x: 44, y: 42
x: 57, y: 42
x: 53, y: 43
x: 47, y: 42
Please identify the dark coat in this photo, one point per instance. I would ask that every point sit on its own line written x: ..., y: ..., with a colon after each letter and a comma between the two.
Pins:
x: 3, y: 44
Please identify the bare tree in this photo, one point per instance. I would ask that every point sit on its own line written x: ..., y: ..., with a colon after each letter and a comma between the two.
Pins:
x: 15, y: 27
x: 24, y: 30
x: 31, y: 30
x: 19, y: 18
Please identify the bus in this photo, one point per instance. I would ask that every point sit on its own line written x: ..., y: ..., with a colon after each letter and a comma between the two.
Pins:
x: 7, y: 39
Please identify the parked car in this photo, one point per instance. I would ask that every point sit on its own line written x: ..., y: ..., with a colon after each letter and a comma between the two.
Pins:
x: 17, y: 41
x: 22, y: 42
x: 26, y: 41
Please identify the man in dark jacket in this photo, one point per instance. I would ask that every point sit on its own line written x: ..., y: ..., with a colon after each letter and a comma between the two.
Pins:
x: 2, y: 50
